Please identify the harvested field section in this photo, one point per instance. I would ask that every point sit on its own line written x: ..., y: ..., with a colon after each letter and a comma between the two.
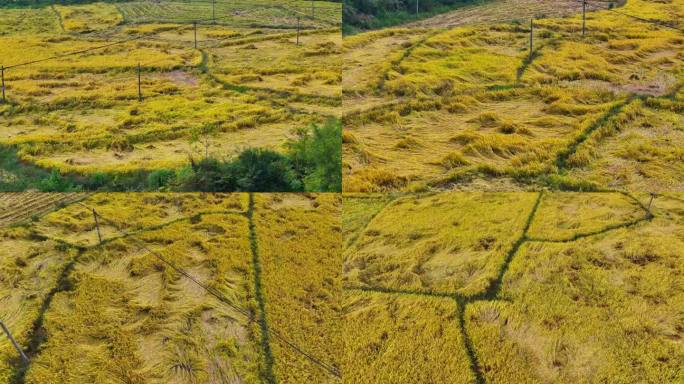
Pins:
x: 496, y: 11
x: 446, y: 243
x: 29, y: 270
x: 497, y: 105
x: 16, y: 208
x: 378, y: 328
x: 301, y: 285
x: 563, y: 216
x: 182, y: 288
x: 590, y: 291
x: 603, y: 309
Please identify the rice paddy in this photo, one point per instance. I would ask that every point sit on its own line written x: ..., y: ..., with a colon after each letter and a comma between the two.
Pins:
x: 173, y: 288
x: 468, y: 106
x: 246, y: 77
x: 537, y: 288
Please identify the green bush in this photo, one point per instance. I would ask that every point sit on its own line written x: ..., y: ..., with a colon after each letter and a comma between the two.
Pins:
x: 57, y: 183
x: 317, y: 157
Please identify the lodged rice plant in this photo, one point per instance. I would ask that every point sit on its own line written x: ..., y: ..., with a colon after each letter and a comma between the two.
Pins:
x: 468, y: 106
x: 182, y: 288
x: 589, y: 290
x: 84, y: 111
x: 301, y: 284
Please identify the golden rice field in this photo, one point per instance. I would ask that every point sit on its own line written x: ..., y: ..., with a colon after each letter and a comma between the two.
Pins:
x: 458, y: 102
x: 246, y: 84
x: 514, y: 287
x: 182, y: 288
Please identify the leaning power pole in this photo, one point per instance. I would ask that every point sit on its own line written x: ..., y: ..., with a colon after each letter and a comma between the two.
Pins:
x: 531, y: 37
x: 2, y: 70
x: 194, y: 24
x: 97, y: 226
x: 584, y: 17
x: 139, y: 85
x: 14, y: 343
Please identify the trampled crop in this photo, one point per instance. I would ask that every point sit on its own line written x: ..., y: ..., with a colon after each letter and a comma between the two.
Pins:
x: 521, y: 287
x: 135, y: 87
x: 471, y: 107
x: 174, y: 288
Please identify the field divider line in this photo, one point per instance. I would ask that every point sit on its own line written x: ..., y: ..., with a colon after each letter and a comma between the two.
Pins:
x: 59, y: 17
x: 529, y: 59
x: 269, y: 359
x: 601, y: 231
x: 405, y: 54
x: 352, y: 243
x: 495, y: 286
x: 37, y: 335
x: 142, y: 245
x: 564, y: 155
x: 467, y: 341
x: 391, y: 291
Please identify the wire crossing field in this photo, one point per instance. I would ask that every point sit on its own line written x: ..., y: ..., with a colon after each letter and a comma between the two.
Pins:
x: 468, y: 105
x: 181, y: 288
x: 126, y: 89
x: 576, y: 287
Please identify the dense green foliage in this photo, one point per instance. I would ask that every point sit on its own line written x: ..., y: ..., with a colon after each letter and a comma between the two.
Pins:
x: 317, y: 156
x: 312, y: 163
x: 42, y: 3
x: 373, y: 14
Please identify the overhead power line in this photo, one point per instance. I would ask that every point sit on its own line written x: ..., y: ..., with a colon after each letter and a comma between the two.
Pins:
x: 218, y: 295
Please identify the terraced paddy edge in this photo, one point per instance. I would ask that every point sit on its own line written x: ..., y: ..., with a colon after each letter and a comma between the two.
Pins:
x: 83, y: 112
x: 589, y: 292
x: 178, y: 290
x: 468, y: 107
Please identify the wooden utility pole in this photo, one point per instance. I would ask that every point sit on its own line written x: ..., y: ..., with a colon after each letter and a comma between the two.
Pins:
x: 584, y: 17
x: 97, y: 226
x: 649, y: 204
x: 298, y: 31
x: 2, y: 70
x: 531, y: 37
x: 417, y: 9
x: 14, y: 343
x: 313, y: 9
x: 194, y: 24
x: 139, y: 85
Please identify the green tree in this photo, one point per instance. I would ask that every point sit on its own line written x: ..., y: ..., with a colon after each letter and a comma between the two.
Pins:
x: 316, y: 156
